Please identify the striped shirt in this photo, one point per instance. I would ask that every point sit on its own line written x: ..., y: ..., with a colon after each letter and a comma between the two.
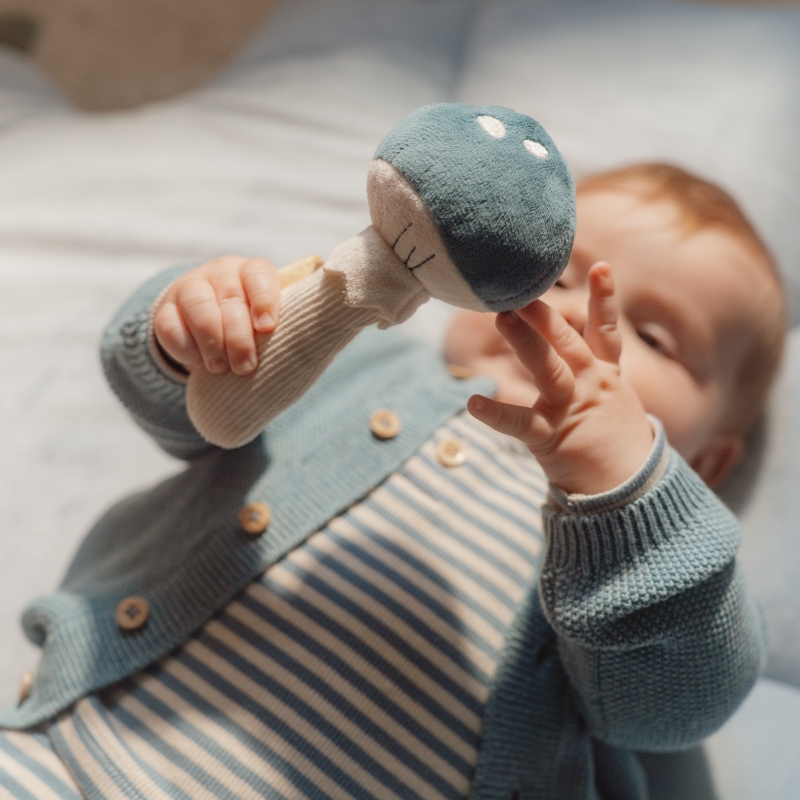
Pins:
x: 356, y: 667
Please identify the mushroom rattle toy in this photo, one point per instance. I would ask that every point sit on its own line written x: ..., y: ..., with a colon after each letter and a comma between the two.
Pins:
x: 473, y: 205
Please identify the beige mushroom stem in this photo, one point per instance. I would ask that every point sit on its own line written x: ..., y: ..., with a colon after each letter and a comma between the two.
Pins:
x: 363, y: 282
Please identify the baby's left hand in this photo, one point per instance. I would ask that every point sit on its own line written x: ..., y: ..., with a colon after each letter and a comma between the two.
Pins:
x: 588, y: 428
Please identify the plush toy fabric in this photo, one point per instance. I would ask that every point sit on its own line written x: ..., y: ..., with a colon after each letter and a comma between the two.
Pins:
x: 500, y: 195
x: 473, y: 205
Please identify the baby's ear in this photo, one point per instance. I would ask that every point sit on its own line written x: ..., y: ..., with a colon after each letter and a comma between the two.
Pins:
x: 717, y: 459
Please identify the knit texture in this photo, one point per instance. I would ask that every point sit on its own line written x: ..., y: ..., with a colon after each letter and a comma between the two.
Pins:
x: 357, y: 666
x: 180, y: 543
x: 363, y: 282
x: 372, y: 276
x: 640, y: 633
x: 626, y: 579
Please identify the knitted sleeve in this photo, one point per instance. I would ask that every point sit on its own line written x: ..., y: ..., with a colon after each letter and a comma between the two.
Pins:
x: 657, y: 633
x: 152, y: 391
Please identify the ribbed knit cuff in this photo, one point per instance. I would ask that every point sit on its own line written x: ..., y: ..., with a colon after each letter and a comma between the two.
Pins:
x: 679, y: 517
x: 640, y: 483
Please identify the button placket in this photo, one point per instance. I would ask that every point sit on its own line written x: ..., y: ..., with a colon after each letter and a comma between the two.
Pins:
x: 451, y: 452
x: 132, y: 613
x: 254, y: 518
x: 385, y: 424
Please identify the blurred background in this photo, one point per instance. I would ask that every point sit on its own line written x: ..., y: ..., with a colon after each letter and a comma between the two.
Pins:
x: 111, y: 54
x: 137, y: 134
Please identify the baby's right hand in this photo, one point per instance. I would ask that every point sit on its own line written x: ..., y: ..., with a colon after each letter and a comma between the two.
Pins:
x: 210, y: 315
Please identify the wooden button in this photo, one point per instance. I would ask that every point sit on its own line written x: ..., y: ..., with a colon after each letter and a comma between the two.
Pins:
x: 25, y: 687
x: 132, y: 613
x: 451, y: 452
x: 457, y: 371
x: 255, y: 517
x: 385, y: 424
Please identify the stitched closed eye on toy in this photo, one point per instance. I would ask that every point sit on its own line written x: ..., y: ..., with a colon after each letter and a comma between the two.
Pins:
x: 473, y: 205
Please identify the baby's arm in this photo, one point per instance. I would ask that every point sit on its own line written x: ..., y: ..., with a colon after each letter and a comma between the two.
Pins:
x: 656, y: 631
x: 176, y: 321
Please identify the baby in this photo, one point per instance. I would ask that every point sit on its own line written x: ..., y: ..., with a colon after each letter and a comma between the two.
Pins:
x: 367, y: 606
x: 701, y: 317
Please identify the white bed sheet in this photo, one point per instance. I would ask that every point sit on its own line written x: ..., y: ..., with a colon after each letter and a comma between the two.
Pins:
x: 271, y: 160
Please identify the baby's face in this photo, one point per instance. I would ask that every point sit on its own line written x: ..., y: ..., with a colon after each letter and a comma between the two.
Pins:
x: 683, y: 314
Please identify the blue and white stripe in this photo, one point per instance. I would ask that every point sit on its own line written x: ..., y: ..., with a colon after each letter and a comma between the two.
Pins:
x: 356, y: 667
x: 30, y: 769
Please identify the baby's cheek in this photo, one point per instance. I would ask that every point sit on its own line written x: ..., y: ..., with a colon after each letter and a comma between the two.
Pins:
x: 668, y: 391
x: 471, y: 335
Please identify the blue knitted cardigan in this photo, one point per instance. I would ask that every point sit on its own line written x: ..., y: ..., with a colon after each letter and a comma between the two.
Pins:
x: 640, y: 633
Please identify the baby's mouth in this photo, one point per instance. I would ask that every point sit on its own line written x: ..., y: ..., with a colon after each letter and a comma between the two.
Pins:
x: 405, y: 241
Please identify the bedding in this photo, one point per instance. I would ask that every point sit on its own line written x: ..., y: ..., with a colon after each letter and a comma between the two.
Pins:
x: 270, y: 159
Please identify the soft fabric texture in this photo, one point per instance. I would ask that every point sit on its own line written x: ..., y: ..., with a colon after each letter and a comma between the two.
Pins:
x: 357, y: 666
x: 362, y: 283
x: 270, y: 160
x: 643, y: 635
x: 506, y: 212
x: 373, y: 277
x: 405, y: 223
x: 135, y: 542
x: 711, y: 87
x: 231, y: 410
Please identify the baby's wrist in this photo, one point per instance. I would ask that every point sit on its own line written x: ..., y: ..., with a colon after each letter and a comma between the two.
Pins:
x: 600, y: 462
x: 641, y: 481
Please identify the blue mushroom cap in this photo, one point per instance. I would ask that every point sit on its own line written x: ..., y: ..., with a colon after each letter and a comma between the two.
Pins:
x: 501, y: 195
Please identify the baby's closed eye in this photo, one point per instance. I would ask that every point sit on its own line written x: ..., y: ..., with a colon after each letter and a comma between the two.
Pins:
x: 658, y: 339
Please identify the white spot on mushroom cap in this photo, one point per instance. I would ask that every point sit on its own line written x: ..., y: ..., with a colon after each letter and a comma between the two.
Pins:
x: 539, y: 150
x: 493, y: 126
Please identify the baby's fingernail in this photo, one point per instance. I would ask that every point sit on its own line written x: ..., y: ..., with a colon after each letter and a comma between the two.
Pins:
x: 478, y: 403
x: 247, y: 366
x: 265, y: 320
x: 511, y: 318
x: 218, y: 365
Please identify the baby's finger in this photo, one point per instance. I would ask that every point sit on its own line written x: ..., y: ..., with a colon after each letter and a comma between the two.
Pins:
x: 601, y: 332
x: 197, y: 302
x: 517, y: 421
x: 174, y: 337
x: 561, y: 336
x: 262, y: 285
x: 240, y: 346
x: 237, y: 325
x: 551, y: 374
